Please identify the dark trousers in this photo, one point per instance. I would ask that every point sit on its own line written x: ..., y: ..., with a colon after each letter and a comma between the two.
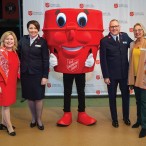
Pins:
x: 138, y: 103
x: 112, y: 91
x: 80, y: 84
x: 140, y: 95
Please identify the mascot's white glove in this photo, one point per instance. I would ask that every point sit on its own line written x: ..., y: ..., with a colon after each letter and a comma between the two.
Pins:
x: 89, y: 61
x: 53, y: 60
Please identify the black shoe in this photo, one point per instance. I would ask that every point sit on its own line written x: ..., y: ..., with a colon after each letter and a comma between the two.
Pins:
x: 115, y: 124
x: 40, y: 127
x: 32, y: 124
x: 3, y: 127
x: 136, y: 125
x: 127, y: 122
x: 142, y: 133
x: 11, y: 133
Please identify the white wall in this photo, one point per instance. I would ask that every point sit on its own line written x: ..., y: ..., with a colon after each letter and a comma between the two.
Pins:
x: 128, y: 12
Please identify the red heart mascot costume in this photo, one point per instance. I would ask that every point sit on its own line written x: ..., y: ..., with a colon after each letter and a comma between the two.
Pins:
x: 73, y: 36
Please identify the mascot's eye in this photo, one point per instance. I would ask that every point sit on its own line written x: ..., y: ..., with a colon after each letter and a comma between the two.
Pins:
x: 61, y: 19
x: 82, y: 19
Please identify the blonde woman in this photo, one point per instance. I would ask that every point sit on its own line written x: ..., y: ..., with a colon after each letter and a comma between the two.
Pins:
x: 9, y: 66
x: 137, y: 75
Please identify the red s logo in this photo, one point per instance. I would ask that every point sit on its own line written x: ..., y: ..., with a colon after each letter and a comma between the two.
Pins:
x: 81, y: 5
x: 98, y: 92
x: 29, y: 13
x: 131, y: 13
x: 47, y: 5
x: 115, y: 5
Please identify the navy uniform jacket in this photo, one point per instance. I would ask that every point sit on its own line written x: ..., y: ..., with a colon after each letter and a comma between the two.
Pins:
x: 34, y: 59
x: 114, y: 56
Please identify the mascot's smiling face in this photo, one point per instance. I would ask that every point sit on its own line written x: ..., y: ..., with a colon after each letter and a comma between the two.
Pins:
x: 71, y: 35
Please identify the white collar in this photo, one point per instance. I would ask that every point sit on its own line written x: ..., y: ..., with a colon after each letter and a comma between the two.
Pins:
x: 114, y: 36
x: 32, y: 39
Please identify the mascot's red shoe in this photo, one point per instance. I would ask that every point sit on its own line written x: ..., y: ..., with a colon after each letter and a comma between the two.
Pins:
x: 84, y: 119
x: 66, y: 120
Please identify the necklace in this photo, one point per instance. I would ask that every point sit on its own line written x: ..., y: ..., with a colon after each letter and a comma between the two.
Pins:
x: 139, y: 43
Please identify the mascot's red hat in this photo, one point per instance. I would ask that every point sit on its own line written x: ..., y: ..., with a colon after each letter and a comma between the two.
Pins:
x: 72, y: 34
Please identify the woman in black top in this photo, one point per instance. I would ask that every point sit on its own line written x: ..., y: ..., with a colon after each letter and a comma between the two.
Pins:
x: 34, y: 65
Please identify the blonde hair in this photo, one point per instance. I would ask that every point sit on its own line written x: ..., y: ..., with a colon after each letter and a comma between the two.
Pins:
x: 143, y: 28
x: 5, y: 35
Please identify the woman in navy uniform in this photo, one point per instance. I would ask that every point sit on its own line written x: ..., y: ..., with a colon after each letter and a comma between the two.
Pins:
x: 34, y: 66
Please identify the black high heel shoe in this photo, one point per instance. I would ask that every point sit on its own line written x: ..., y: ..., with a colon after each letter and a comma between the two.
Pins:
x: 33, y: 124
x: 11, y: 133
x: 40, y: 127
x: 3, y: 127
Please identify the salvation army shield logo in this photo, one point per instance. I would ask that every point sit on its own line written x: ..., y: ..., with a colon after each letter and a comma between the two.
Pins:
x: 72, y: 64
x: 116, y: 5
x: 47, y: 5
x: 97, y: 77
x: 131, y: 13
x: 97, y: 61
x: 130, y: 29
x: 81, y: 5
x: 29, y: 13
x: 98, y: 92
x: 49, y: 85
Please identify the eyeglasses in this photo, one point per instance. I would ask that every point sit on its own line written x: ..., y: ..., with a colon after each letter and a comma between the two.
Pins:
x: 138, y: 30
x: 116, y: 26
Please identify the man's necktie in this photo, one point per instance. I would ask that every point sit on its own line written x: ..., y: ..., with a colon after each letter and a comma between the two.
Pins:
x: 117, y: 39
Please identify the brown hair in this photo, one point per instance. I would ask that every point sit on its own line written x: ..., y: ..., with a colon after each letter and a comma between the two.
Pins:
x: 35, y: 23
x: 5, y: 35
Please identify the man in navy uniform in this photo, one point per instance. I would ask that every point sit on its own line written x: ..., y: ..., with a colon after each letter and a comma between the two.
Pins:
x: 114, y: 66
